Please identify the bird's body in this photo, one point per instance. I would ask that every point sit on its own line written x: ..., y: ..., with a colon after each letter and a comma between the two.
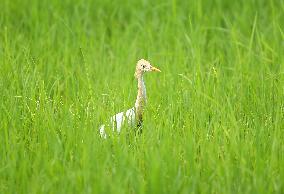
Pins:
x: 134, y: 115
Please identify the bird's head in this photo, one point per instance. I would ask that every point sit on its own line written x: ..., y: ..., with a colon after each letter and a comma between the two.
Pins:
x: 144, y: 66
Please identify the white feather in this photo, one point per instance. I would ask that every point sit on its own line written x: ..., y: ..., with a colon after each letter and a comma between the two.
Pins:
x: 102, y: 132
x: 118, y: 120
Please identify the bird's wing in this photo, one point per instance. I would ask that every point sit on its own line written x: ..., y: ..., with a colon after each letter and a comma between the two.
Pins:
x: 130, y: 114
x: 118, y: 119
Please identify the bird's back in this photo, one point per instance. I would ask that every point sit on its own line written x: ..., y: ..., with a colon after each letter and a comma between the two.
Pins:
x: 118, y: 120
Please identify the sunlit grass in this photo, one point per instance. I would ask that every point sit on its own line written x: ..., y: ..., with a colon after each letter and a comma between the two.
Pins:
x: 215, y: 115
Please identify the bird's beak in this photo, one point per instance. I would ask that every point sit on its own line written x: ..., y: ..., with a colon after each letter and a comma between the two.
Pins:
x: 155, y: 69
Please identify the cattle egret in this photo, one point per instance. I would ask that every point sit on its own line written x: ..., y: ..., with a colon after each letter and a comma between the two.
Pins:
x: 133, y: 115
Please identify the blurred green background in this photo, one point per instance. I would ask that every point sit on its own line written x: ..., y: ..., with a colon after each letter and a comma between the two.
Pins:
x: 214, y: 121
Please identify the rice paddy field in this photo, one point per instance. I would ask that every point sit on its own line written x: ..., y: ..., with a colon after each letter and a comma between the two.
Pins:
x: 214, y: 122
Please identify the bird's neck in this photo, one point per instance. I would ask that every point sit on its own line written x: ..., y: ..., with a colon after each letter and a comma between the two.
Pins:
x: 141, y: 97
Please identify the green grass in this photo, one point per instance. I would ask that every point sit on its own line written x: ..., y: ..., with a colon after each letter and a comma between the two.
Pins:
x: 214, y: 122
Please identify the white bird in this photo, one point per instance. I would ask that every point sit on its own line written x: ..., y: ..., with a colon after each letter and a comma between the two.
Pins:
x: 133, y: 115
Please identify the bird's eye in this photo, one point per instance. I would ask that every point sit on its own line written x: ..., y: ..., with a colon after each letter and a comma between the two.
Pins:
x: 143, y: 66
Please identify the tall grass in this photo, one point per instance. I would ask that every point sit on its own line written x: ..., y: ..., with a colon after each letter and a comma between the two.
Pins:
x: 214, y: 121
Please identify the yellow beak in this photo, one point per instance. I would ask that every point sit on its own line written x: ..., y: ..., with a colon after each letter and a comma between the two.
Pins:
x: 155, y: 69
